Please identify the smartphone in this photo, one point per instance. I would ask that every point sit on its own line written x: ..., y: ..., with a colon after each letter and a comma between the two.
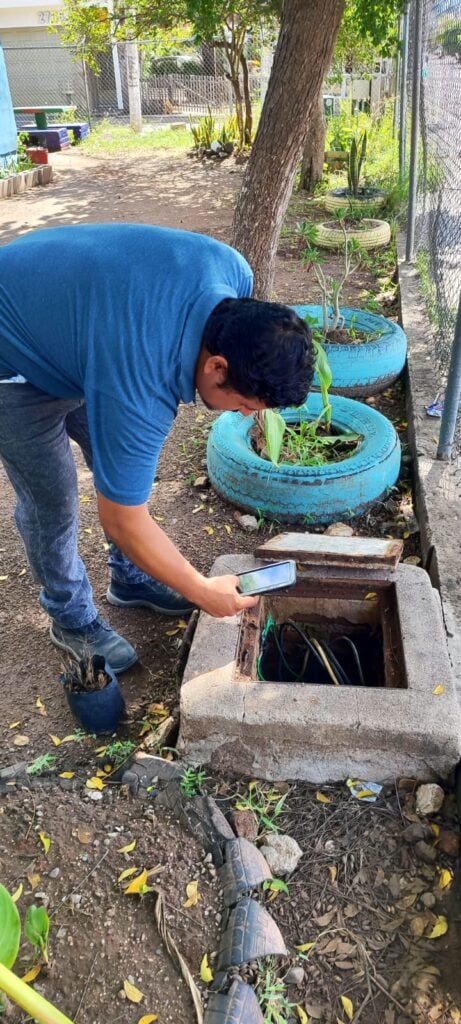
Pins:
x: 268, y: 577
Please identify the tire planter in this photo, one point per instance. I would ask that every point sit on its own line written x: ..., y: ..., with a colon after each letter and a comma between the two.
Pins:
x: 368, y: 368
x: 371, y: 234
x: 338, y: 199
x: 305, y: 494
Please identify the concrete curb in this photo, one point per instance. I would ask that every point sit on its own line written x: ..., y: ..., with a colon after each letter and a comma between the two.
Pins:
x: 437, y: 484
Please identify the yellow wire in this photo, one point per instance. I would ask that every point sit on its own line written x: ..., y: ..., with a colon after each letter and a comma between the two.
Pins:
x: 324, y: 658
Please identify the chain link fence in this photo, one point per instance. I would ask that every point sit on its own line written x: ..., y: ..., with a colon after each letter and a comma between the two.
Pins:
x: 182, y: 84
x: 437, y: 226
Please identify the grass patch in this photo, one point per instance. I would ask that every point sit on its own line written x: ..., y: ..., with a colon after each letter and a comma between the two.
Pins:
x: 107, y: 138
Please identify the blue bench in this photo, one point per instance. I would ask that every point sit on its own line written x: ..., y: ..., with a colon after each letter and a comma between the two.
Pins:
x: 55, y: 138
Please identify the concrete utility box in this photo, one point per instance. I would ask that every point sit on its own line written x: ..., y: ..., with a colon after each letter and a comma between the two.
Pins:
x: 352, y: 594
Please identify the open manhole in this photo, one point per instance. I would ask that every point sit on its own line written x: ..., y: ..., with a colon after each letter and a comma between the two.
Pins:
x: 325, y: 633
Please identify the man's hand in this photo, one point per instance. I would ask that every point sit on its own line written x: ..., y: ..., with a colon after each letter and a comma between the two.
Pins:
x: 221, y: 596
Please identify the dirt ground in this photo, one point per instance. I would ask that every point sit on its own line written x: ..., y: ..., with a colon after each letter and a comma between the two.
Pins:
x: 172, y: 190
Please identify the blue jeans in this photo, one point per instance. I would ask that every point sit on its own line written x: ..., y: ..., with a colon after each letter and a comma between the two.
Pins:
x: 35, y: 433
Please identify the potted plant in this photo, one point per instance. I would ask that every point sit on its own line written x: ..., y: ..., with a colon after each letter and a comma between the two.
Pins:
x: 366, y: 352
x: 325, y: 461
x: 93, y: 694
x: 348, y: 223
x: 356, y: 195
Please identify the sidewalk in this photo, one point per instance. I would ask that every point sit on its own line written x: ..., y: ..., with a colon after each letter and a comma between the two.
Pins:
x: 437, y: 484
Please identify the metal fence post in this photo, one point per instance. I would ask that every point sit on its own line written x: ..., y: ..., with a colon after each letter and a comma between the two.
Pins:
x: 452, y: 395
x: 414, y: 139
x: 403, y: 95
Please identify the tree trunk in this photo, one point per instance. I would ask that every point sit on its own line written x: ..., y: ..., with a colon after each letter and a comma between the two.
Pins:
x: 248, y: 125
x: 314, y: 149
x: 304, y: 50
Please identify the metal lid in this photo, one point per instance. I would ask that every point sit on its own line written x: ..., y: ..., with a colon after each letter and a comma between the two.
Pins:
x: 349, y: 555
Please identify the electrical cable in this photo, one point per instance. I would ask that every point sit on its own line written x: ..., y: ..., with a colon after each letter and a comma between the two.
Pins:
x: 355, y: 653
x: 322, y: 652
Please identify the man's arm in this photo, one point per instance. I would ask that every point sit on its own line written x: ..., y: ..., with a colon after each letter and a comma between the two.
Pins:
x: 133, y: 530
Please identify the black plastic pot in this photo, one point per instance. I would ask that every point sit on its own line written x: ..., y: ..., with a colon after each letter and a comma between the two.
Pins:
x: 97, y: 711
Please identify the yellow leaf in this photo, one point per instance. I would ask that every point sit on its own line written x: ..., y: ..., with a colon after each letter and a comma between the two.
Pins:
x: 45, y: 841
x: 14, y: 725
x: 348, y: 1006
x: 101, y: 773
x: 101, y: 750
x: 305, y: 946
x: 17, y: 893
x: 21, y: 741
x: 128, y: 848
x: 67, y: 775
x: 88, y: 529
x: 126, y: 874
x: 68, y: 739
x: 445, y: 877
x: 107, y: 769
x: 172, y: 632
x: 435, y: 829
x: 32, y: 974
x: 132, y: 993
x: 22, y: 573
x: 160, y: 709
x: 304, y: 1019
x: 206, y: 973
x: 83, y: 836
x: 55, y: 739
x: 438, y: 690
x: 209, y: 530
x: 182, y: 624
x: 84, y: 498
x: 333, y: 871
x: 40, y: 705
x: 95, y: 783
x: 3, y: 578
x: 322, y: 799
x: 193, y: 895
x: 370, y: 597
x: 440, y: 927
x: 106, y: 546
x: 137, y: 884
x: 33, y: 880
x: 159, y: 519
x: 227, y: 528
x: 148, y: 1018
x: 405, y: 535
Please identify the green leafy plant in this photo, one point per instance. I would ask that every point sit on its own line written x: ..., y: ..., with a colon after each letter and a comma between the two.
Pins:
x: 36, y: 927
x: 276, y: 885
x: 331, y: 288
x: 118, y: 752
x: 265, y: 802
x: 205, y: 131
x: 357, y: 156
x: 43, y: 763
x: 272, y: 998
x: 38, y: 1008
x: 192, y: 782
x: 449, y: 38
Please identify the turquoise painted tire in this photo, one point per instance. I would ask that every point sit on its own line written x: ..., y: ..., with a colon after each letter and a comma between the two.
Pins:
x: 299, y: 494
x: 363, y: 370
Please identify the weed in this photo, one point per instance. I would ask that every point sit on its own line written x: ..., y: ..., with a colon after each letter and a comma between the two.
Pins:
x: 36, y: 927
x: 192, y: 782
x: 43, y: 763
x: 108, y: 138
x: 265, y: 802
x: 272, y: 998
x: 118, y: 752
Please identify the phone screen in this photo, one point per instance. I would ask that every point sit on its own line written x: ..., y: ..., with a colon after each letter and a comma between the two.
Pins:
x: 279, y: 574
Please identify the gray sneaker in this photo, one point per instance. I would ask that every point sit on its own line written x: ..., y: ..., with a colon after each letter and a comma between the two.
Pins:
x: 96, y: 638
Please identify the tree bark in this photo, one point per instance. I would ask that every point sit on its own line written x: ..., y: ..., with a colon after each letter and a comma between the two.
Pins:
x: 314, y: 148
x: 304, y: 50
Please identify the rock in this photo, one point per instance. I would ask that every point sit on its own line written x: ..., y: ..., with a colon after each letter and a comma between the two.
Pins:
x: 448, y: 842
x: 294, y: 976
x: 425, y: 852
x: 416, y: 831
x: 282, y: 853
x: 6, y: 774
x: 428, y: 900
x: 95, y: 794
x: 248, y: 523
x: 54, y: 873
x: 201, y: 481
x: 245, y: 824
x: 339, y: 530
x: 429, y: 798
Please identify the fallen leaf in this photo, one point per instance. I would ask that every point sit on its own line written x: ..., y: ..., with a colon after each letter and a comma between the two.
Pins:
x: 206, y: 973
x: 40, y: 706
x: 67, y: 775
x: 440, y: 928
x: 106, y: 546
x: 68, y: 739
x: 193, y: 895
x: 32, y: 974
x: 136, y: 887
x: 20, y: 741
x: 438, y: 690
x: 347, y: 1006
x: 322, y: 799
x: 101, y: 750
x: 88, y: 529
x: 3, y: 578
x: 333, y: 871
x: 95, y: 783
x: 84, y: 837
x: 148, y: 1018
x: 84, y: 498
x: 170, y: 632
x: 418, y: 926
x: 22, y: 573
x: 303, y: 948
x: 370, y: 597
x: 128, y: 848
x: 55, y: 739
x: 126, y: 874
x: 198, y: 508
x: 209, y: 530
x: 227, y: 528
x: 159, y: 519
x: 435, y: 829
x: 132, y: 993
x: 445, y: 877
x: 33, y: 880
x: 15, y: 896
x: 101, y: 773
x: 325, y: 919
x: 45, y: 841
x: 14, y: 725
x: 304, y: 1019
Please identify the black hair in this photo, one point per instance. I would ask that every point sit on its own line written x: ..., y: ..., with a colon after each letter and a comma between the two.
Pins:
x: 268, y: 349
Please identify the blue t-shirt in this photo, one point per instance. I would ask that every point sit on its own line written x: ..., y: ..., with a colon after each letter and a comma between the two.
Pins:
x: 114, y: 314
